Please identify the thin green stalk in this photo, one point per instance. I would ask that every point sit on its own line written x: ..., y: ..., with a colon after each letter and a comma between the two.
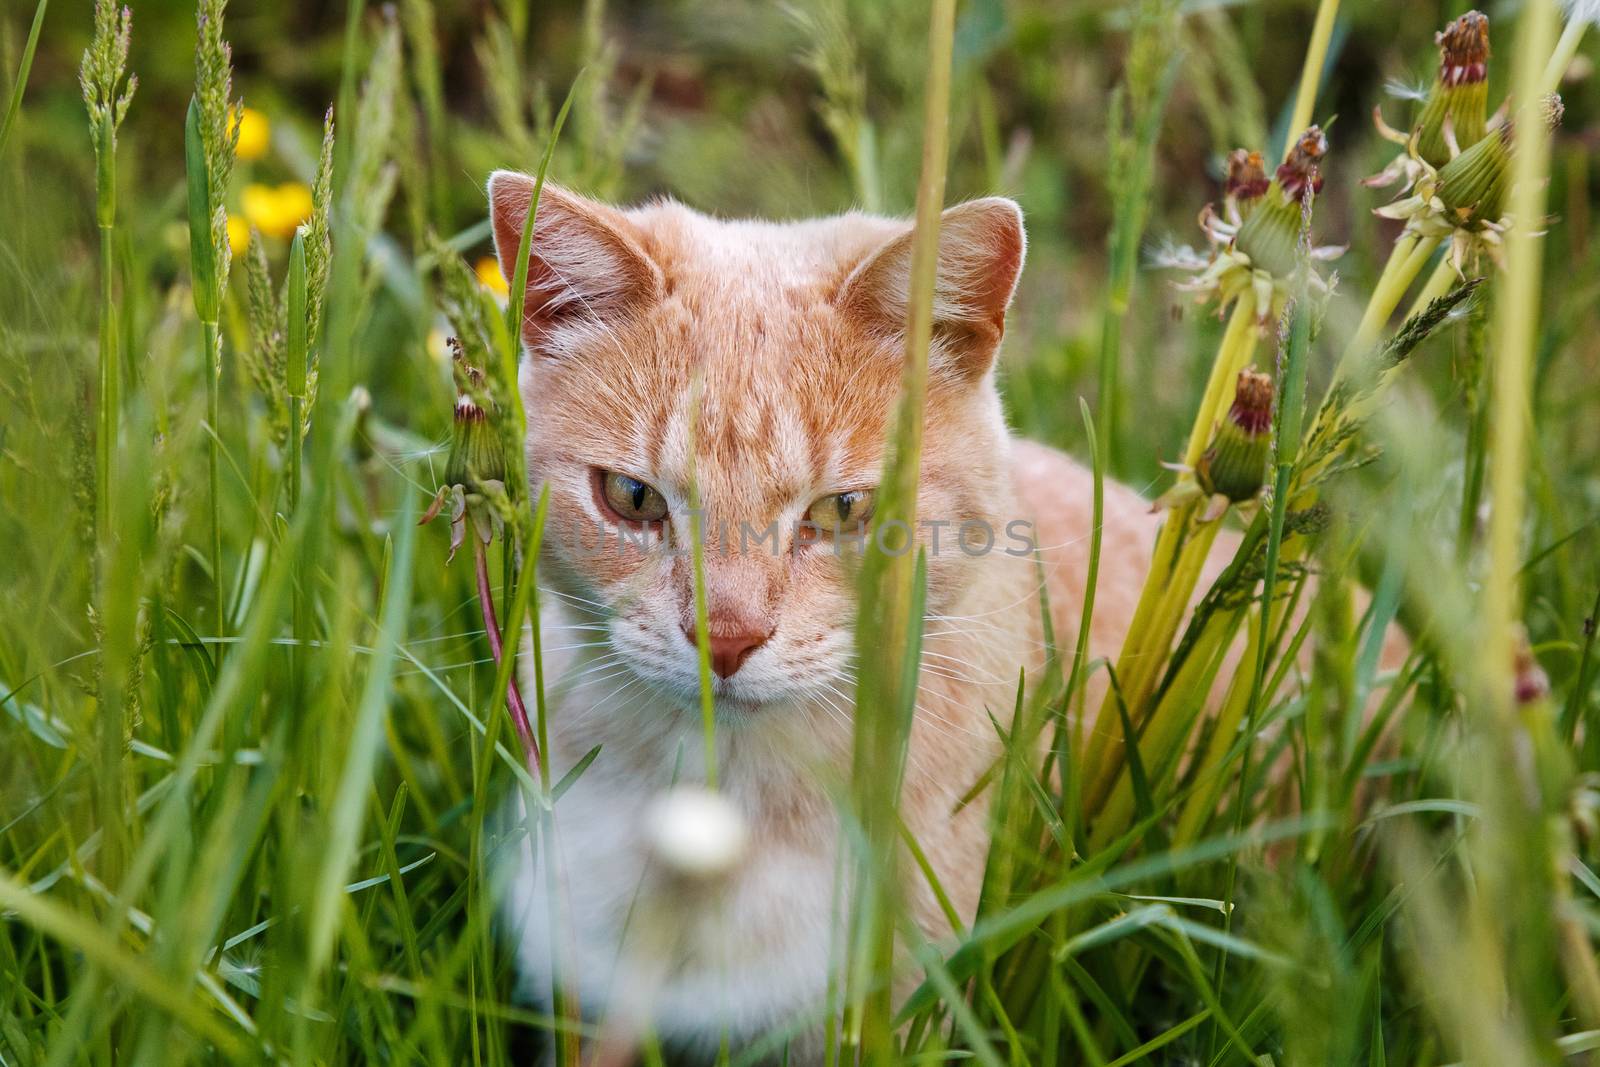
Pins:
x: 1476, y: 442
x: 1117, y: 800
x: 115, y: 722
x: 1152, y: 71
x: 295, y: 385
x: 516, y: 457
x: 110, y: 365
x: 23, y: 70
x: 1577, y: 698
x: 211, y: 345
x: 885, y: 636
x: 1072, y: 768
x: 1179, y: 555
x: 1440, y: 282
x: 204, y: 272
x: 1288, y: 418
x: 1566, y: 48
x: 1233, y: 355
x: 1405, y: 262
x: 702, y: 623
x: 1516, y: 327
x: 1202, y: 802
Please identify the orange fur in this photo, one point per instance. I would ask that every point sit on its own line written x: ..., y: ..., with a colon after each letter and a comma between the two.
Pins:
x: 774, y: 350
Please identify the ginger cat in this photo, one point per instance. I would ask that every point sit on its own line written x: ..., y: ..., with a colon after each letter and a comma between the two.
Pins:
x: 794, y: 331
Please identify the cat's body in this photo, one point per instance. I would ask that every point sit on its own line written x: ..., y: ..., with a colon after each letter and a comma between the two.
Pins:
x: 783, y: 340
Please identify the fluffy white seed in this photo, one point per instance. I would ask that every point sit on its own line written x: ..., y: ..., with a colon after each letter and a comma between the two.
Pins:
x: 1587, y: 10
x: 696, y: 833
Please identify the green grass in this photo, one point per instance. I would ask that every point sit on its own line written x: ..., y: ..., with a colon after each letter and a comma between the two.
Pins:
x: 253, y: 732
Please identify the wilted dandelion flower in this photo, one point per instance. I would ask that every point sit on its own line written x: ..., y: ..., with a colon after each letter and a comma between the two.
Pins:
x: 1233, y: 468
x: 1246, y: 183
x: 1454, y: 114
x: 1529, y: 681
x: 1255, y: 241
x: 475, y: 473
x: 696, y: 833
x: 255, y: 132
x: 1464, y: 200
x: 276, y: 210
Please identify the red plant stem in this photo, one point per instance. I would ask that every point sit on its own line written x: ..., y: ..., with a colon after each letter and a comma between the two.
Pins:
x: 519, y: 710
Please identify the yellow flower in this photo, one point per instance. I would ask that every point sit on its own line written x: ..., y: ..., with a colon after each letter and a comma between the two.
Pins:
x: 255, y: 133
x: 276, y: 210
x: 489, y: 276
x: 238, y: 234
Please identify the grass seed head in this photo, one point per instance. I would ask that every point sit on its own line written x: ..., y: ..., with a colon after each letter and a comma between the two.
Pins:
x: 107, y: 91
x: 219, y: 121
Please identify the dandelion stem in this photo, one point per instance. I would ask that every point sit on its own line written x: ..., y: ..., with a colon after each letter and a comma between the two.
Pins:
x: 1233, y: 355
x: 1404, y: 264
x: 1179, y: 555
x: 1311, y: 73
x: 1515, y: 331
x: 1561, y: 58
x: 1440, y: 282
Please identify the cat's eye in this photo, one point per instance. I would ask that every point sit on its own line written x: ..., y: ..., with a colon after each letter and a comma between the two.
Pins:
x: 841, y: 511
x: 629, y: 499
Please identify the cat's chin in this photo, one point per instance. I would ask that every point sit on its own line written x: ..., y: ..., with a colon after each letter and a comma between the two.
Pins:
x: 735, y: 703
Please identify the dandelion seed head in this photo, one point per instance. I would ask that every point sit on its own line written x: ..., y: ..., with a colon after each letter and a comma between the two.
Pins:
x: 1402, y: 89
x: 1172, y: 256
x: 1583, y: 11
x: 696, y: 833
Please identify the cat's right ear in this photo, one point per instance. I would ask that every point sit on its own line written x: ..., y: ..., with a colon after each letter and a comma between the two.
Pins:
x: 584, y: 263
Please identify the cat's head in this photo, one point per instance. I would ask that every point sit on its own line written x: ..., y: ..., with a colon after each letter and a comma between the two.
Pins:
x: 757, y: 364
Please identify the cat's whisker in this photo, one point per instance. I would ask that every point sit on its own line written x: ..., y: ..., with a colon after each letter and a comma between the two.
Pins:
x: 443, y: 667
x: 601, y: 643
x: 465, y: 635
x: 594, y: 676
x: 981, y: 673
x: 574, y: 598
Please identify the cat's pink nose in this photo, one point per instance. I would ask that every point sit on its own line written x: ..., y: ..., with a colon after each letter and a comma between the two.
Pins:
x: 729, y: 651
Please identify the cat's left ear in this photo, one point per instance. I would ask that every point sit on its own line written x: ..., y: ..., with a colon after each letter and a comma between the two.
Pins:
x: 981, y: 247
